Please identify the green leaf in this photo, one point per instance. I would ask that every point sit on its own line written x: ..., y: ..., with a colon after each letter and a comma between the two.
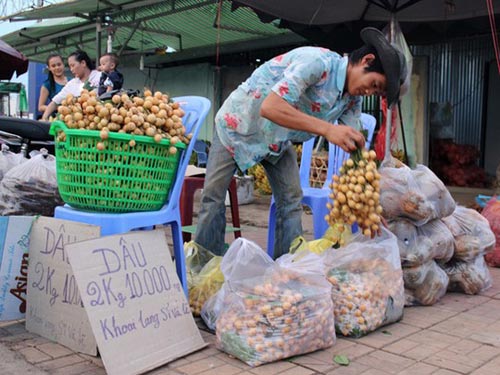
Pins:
x: 387, y: 333
x: 341, y: 360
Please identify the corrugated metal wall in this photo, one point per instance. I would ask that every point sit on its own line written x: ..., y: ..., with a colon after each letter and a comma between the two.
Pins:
x: 457, y: 75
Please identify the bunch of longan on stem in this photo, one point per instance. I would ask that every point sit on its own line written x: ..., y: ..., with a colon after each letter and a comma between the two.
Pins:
x: 356, y: 193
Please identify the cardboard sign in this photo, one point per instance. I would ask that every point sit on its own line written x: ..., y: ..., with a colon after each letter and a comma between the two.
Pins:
x: 134, y: 300
x: 14, y: 242
x: 55, y: 308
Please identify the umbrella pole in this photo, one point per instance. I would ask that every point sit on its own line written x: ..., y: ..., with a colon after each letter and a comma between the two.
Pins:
x: 389, y: 106
x: 403, y: 134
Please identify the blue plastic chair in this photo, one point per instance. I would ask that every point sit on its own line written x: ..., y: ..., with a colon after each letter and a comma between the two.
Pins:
x: 200, y: 148
x: 317, y: 198
x: 196, y: 109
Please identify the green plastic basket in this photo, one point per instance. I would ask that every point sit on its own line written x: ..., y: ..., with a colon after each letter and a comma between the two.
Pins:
x: 119, y: 178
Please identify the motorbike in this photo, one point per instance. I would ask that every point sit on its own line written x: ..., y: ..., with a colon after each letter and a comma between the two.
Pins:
x: 24, y: 135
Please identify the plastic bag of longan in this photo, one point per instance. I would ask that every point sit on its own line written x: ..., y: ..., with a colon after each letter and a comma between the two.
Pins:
x: 282, y: 310
x: 367, y: 283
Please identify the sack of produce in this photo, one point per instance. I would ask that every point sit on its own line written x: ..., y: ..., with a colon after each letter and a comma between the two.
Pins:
x: 417, y: 194
x: 425, y: 284
x: 273, y: 310
x: 249, y: 260
x: 204, y: 275
x: 468, y: 277
x: 434, y: 191
x: 418, y: 245
x: 9, y: 160
x: 367, y: 282
x: 492, y: 213
x: 31, y: 187
x: 472, y: 233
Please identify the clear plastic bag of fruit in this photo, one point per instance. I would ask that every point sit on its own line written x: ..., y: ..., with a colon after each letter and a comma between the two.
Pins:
x: 247, y: 261
x: 9, y: 160
x: 418, y: 245
x: 472, y: 233
x: 274, y: 310
x: 30, y: 188
x: 204, y: 275
x: 367, y: 282
x: 417, y: 195
x: 468, y: 277
x: 424, y: 284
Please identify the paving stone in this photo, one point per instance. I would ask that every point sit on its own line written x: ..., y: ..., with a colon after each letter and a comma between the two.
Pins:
x: 490, y: 368
x: 31, y: 342
x: 200, y: 366
x: 387, y: 335
x: 314, y: 363
x: 95, y: 360
x: 178, y: 363
x: 445, y: 372
x: 273, y: 368
x: 77, y: 369
x: 425, y: 316
x: 61, y: 362
x: 460, y: 302
x: 354, y: 368
x: 100, y: 371
x: 224, y: 370
x: 54, y: 350
x: 449, y: 360
x: 352, y: 352
x: 419, y: 369
x: 33, y: 355
x: 298, y: 371
x: 460, y: 326
x: 232, y: 361
x: 384, y: 361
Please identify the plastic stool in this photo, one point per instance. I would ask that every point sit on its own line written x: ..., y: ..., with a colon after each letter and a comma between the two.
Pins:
x: 193, y: 183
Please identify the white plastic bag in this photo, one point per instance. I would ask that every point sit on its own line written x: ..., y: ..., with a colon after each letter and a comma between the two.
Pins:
x: 367, y: 282
x: 417, y: 195
x: 31, y: 187
x: 272, y: 311
x: 9, y: 160
x: 418, y: 245
x: 472, y: 233
x: 468, y: 277
x: 424, y: 284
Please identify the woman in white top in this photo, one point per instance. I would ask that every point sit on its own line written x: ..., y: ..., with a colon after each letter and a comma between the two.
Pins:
x: 85, y: 77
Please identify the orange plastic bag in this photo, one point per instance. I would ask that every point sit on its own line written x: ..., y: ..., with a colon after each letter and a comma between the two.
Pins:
x: 492, y: 212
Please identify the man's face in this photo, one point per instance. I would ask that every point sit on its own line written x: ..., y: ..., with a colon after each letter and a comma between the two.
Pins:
x: 362, y: 83
x: 105, y: 64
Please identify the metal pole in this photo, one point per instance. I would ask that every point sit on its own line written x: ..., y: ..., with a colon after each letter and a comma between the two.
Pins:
x: 98, y: 40
x: 387, y: 155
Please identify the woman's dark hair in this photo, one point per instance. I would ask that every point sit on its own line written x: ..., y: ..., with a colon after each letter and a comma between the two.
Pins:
x: 52, y: 81
x: 80, y: 55
x: 356, y: 56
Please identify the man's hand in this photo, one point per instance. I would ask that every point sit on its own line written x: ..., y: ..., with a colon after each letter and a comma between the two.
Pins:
x: 345, y: 137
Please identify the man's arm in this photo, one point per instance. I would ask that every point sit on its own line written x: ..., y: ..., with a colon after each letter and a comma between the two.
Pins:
x: 277, y: 110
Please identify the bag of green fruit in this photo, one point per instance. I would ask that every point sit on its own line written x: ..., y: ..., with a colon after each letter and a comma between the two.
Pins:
x: 367, y: 280
x: 204, y: 275
x: 273, y: 310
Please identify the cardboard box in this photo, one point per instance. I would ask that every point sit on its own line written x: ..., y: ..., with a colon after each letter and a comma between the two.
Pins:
x: 135, y: 303
x: 55, y: 310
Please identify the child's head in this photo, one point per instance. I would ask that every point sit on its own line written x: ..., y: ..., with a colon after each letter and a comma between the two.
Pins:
x: 108, y: 62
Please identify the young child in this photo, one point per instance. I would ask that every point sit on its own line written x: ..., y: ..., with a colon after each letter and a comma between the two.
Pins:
x: 111, y: 79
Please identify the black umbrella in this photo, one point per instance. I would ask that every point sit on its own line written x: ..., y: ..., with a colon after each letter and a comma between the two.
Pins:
x: 336, y: 23
x: 11, y: 60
